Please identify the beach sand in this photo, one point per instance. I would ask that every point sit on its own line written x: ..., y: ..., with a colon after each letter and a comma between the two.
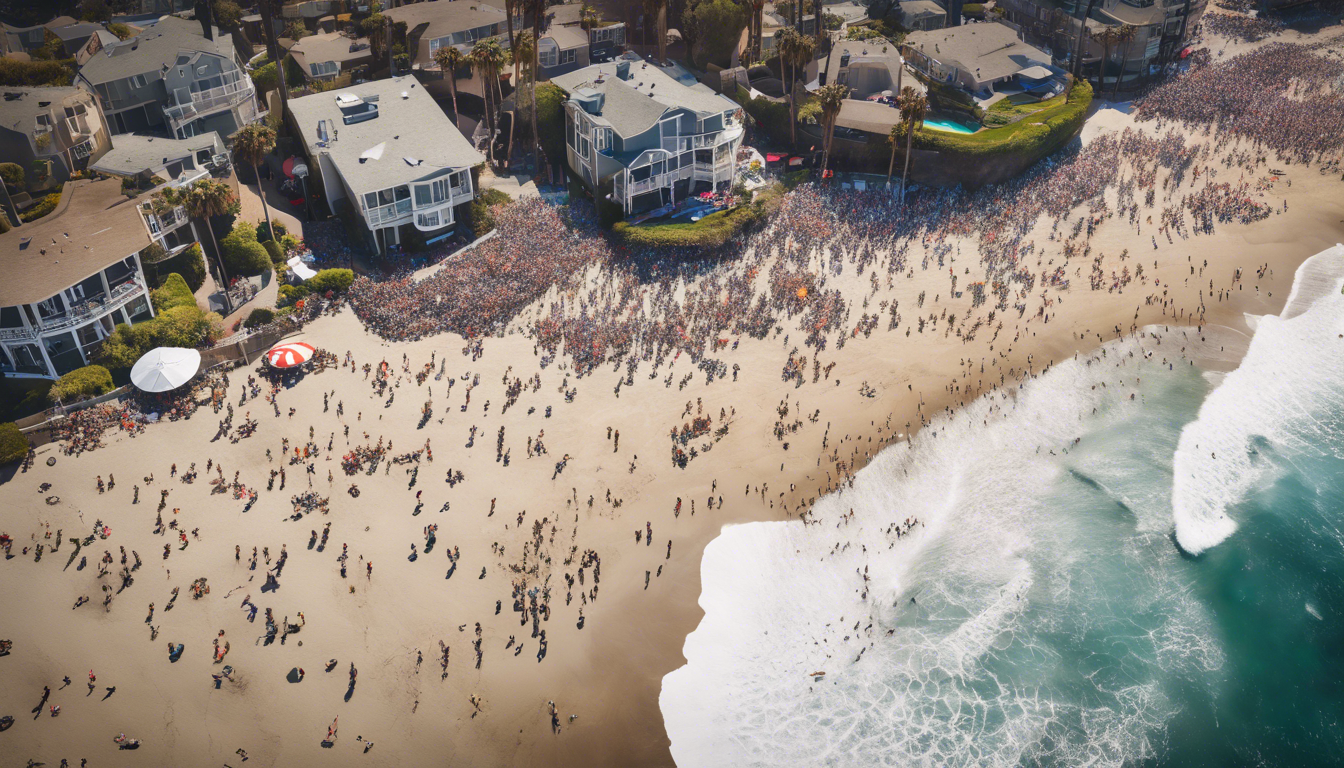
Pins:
x: 609, y: 672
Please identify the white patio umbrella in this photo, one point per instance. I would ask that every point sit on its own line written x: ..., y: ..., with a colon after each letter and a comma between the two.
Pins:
x: 165, y: 368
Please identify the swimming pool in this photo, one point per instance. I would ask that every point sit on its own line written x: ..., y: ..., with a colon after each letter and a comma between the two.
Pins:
x: 946, y: 124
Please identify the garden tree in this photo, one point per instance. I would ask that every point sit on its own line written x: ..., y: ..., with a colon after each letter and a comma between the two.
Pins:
x: 295, y: 30
x: 588, y: 16
x: 241, y: 251
x: 173, y: 293
x: 52, y: 48
x: 487, y: 58
x: 1107, y: 37
x: 267, y: 9
x: 12, y: 174
x: 1077, y: 67
x: 251, y: 145
x: 893, y: 137
x: 524, y: 55
x: 89, y: 381
x: 720, y: 28
x: 201, y: 200
x: 375, y: 29
x: 690, y: 28
x: 228, y: 14
x: 830, y: 98
x: 1125, y: 36
x: 122, y: 31
x: 913, y: 105
x: 97, y: 11
x: 450, y: 59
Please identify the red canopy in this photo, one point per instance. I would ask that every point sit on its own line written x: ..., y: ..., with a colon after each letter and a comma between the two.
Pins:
x: 290, y: 355
x: 288, y: 166
x: 1186, y: 52
x: 773, y: 158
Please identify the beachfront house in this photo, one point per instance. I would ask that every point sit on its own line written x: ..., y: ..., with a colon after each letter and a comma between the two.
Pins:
x: 172, y: 78
x: 72, y: 34
x: 461, y: 24
x: 922, y: 15
x: 57, y: 127
x: 654, y: 138
x: 386, y: 150
x: 324, y: 56
x: 977, y: 58
x: 568, y: 42
x: 70, y: 277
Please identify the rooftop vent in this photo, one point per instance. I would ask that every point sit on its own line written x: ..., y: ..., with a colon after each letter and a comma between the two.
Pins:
x: 623, y: 70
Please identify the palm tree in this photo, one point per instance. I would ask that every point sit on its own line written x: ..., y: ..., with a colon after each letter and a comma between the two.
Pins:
x: 487, y: 58
x: 1125, y: 36
x: 831, y: 98
x: 801, y: 50
x: 203, y: 199
x: 251, y: 145
x: 273, y: 49
x: 894, y: 139
x: 1082, y: 35
x: 914, y: 105
x: 754, y: 31
x: 509, y: 7
x: 538, y: 10
x: 450, y: 59
x: 1107, y: 37
x: 819, y: 22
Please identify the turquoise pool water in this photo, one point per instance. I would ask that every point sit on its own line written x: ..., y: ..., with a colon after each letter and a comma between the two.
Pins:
x: 944, y: 124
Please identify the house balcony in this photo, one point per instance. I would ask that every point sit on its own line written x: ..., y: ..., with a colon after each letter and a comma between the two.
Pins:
x: 166, y: 222
x: 90, y: 309
x: 206, y: 102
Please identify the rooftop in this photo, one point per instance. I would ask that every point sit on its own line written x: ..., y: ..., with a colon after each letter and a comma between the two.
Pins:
x: 634, y: 105
x: 407, y: 129
x: 986, y: 51
x: 921, y: 9
x: 94, y: 226
x: 329, y: 46
x: 877, y: 51
x: 445, y: 18
x: 19, y: 107
x: 566, y: 37
x: 132, y: 154
x: 153, y: 50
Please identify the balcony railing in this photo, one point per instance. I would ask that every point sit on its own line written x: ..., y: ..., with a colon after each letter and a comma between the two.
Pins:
x: 226, y: 95
x: 89, y: 310
x: 166, y: 222
x: 384, y: 215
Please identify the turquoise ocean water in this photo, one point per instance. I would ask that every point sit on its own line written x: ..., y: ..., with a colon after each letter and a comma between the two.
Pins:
x: 1049, y: 608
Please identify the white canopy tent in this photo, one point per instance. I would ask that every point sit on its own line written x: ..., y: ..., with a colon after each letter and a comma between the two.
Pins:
x: 165, y: 368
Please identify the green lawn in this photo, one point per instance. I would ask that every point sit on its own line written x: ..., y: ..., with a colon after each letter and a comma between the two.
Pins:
x: 1035, y: 133
x: 1021, y: 104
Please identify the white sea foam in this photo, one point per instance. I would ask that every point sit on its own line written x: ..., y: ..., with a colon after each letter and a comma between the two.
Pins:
x: 1291, y: 373
x: 1031, y: 617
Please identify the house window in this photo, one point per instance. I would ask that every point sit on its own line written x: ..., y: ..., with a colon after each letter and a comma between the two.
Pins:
x: 139, y: 81
x: 324, y: 68
x: 569, y: 56
x: 83, y: 150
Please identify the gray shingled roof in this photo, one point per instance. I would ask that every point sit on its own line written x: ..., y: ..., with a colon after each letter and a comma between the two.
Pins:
x: 566, y: 37
x: 132, y: 153
x: 445, y: 18
x: 94, y: 226
x: 20, y: 114
x: 153, y: 50
x: 329, y: 46
x: 992, y: 49
x: 633, y: 105
x: 414, y: 127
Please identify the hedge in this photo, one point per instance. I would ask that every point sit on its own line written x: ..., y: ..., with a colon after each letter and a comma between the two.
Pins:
x: 710, y: 232
x: 13, y: 445
x: 24, y: 74
x: 292, y: 293
x: 180, y: 326
x: 189, y: 263
x: 337, y: 280
x: 259, y: 316
x: 173, y: 293
x: 274, y: 250
x: 89, y: 381
x: 482, y: 221
x: 12, y: 174
x: 243, y: 255
x: 264, y: 230
x: 1034, y: 136
x: 551, y: 118
x: 773, y: 116
x: 47, y: 205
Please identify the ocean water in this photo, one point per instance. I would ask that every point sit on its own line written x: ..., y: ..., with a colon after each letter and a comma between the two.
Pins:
x: 1124, y: 562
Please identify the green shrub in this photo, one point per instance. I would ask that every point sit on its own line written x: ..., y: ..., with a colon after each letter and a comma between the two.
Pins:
x: 13, y: 445
x: 122, y: 31
x: 551, y: 118
x: 264, y: 230
x: 12, y: 174
x: 181, y: 326
x: 482, y: 220
x: 1034, y: 136
x: 43, y: 208
x: 710, y: 232
x: 289, y: 243
x: 89, y: 381
x: 971, y: 10
x: 773, y: 116
x: 793, y: 178
x: 174, y: 293
x: 258, y: 316
x: 189, y: 263
x: 337, y: 280
x: 34, y: 73
x: 266, y: 78
x: 276, y: 253
x: 243, y: 255
x: 292, y: 293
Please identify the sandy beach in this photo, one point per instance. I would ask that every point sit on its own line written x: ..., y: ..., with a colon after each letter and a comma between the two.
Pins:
x: 774, y: 446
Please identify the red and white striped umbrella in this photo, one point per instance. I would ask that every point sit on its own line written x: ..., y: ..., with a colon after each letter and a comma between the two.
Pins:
x: 290, y: 355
